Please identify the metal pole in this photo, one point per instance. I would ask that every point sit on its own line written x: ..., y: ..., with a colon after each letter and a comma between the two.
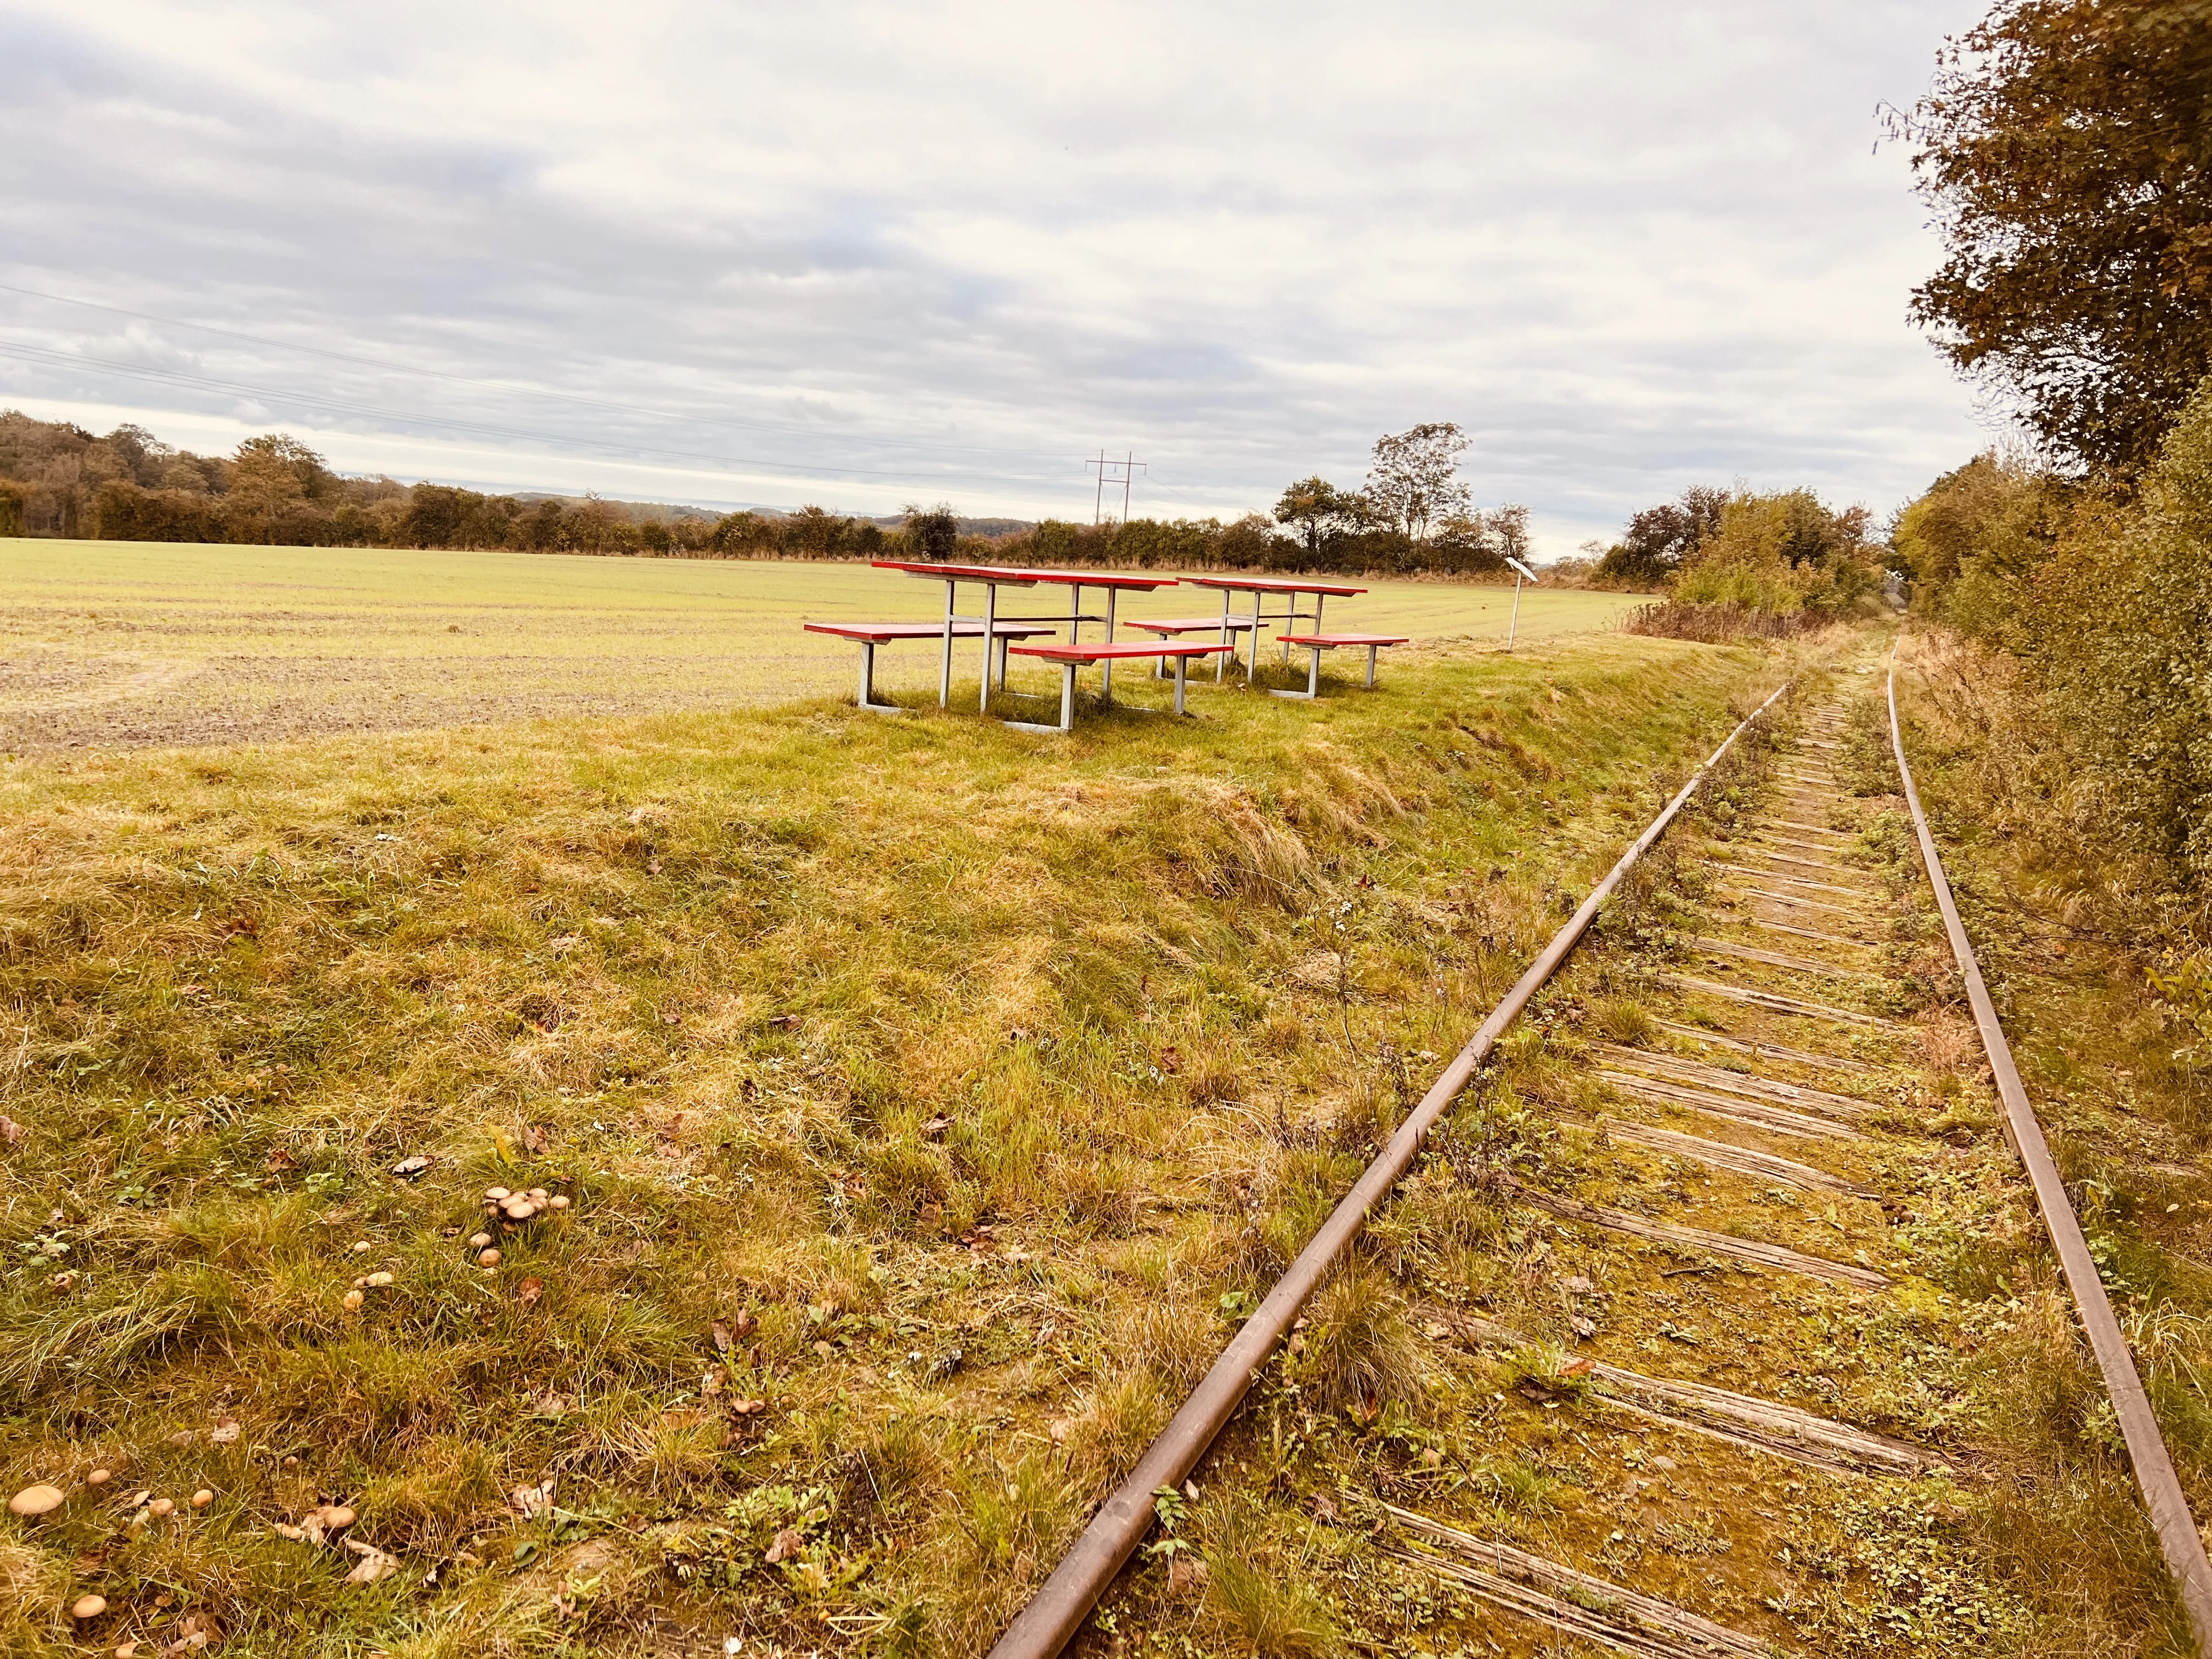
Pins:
x: 1515, y: 621
x: 1252, y: 659
x: 1370, y: 666
x: 1129, y: 472
x: 1098, y: 507
x: 1067, y: 696
x: 1181, y: 660
x: 1060, y: 1605
x: 1221, y: 658
x: 1313, y: 672
x: 868, y: 672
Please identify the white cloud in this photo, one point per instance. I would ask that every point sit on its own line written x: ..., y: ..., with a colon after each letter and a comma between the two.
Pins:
x: 948, y: 251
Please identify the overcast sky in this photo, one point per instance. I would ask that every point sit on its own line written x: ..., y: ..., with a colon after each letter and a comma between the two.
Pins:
x: 864, y: 255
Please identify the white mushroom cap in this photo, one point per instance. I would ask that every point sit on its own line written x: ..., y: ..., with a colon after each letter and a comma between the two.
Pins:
x: 37, y: 1500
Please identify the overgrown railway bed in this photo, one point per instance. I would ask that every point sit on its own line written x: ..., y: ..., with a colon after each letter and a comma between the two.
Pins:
x: 1713, y: 1378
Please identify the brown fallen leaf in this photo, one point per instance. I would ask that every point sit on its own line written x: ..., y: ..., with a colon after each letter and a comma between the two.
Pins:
x: 374, y: 1565
x: 224, y: 1432
x: 722, y: 1338
x: 743, y: 1325
x: 529, y: 1290
x: 935, y: 1128
x: 279, y: 1160
x: 531, y: 1502
x: 533, y: 1138
x: 787, y: 1544
x: 411, y: 1166
x: 11, y: 1131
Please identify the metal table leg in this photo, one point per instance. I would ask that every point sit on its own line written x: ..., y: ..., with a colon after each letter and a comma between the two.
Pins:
x: 990, y: 636
x: 1220, y: 662
x: 1181, y: 662
x: 868, y: 672
x: 1067, y: 696
x: 944, y: 675
x: 1371, y: 667
x: 1106, y: 676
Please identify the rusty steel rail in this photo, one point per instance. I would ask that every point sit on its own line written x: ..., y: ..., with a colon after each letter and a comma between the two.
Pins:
x: 1064, y: 1600
x: 2177, y: 1536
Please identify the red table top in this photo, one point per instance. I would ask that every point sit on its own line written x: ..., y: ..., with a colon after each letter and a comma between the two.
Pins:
x: 1103, y: 653
x: 1328, y: 640
x: 884, y: 633
x: 968, y: 573
x: 998, y: 573
x: 1275, y: 585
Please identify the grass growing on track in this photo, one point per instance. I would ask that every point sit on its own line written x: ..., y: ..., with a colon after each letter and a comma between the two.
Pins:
x: 142, y: 642
x: 907, y: 1079
x: 2031, y: 1542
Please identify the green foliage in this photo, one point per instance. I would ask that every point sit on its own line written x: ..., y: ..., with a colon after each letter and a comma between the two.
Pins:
x: 2117, y: 634
x: 2065, y: 146
x: 1660, y: 537
x: 1780, y: 552
x: 1976, y: 531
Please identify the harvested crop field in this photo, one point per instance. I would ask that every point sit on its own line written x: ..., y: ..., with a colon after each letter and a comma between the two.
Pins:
x: 132, y: 643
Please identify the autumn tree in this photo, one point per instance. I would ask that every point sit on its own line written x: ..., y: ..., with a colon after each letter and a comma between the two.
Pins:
x: 1316, y: 512
x: 932, y: 532
x: 2067, y: 147
x: 1660, y: 537
x: 1415, y: 478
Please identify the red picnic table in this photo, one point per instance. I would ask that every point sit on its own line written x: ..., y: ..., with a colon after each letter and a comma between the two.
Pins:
x: 869, y: 635
x: 1072, y: 657
x: 991, y: 578
x: 1290, y: 589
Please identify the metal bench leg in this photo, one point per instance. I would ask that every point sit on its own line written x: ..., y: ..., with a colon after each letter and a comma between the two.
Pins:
x: 1067, y: 696
x: 1181, y: 664
x: 1313, y: 674
x: 1220, y: 662
x: 1371, y: 667
x: 868, y: 682
x: 1252, y: 657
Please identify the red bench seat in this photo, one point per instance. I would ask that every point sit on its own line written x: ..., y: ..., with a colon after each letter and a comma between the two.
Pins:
x: 1082, y: 653
x: 1317, y: 643
x: 870, y: 634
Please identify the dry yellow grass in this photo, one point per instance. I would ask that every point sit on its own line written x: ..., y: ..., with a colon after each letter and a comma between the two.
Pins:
x: 920, y: 1090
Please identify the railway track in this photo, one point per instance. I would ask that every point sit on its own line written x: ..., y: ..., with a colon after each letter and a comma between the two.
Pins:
x: 1747, y: 1143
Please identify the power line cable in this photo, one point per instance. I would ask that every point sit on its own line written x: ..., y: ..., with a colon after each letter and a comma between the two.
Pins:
x: 394, y: 366
x: 49, y: 358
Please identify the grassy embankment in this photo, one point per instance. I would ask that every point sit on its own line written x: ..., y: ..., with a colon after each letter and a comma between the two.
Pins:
x: 919, y: 1090
x: 132, y: 642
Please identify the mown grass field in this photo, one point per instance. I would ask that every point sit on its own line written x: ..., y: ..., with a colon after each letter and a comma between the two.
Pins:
x: 134, y: 643
x: 927, y: 1098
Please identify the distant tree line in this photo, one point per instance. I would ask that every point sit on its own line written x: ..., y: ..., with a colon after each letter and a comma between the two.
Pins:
x: 1414, y: 517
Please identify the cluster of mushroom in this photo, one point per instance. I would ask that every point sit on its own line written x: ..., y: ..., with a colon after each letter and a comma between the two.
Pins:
x: 36, y: 1502
x: 366, y: 1282
x: 513, y: 1209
